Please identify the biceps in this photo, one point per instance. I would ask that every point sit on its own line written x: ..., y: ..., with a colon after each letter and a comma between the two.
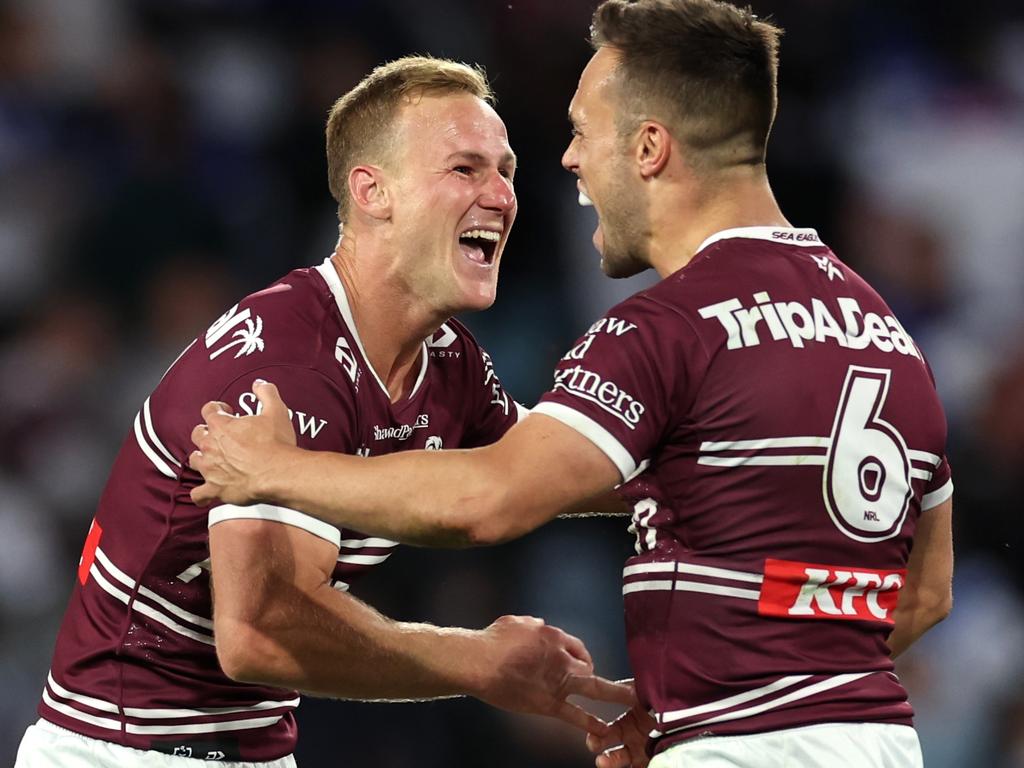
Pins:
x: 259, y: 565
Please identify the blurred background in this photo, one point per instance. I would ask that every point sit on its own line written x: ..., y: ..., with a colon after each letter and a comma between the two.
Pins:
x: 159, y: 159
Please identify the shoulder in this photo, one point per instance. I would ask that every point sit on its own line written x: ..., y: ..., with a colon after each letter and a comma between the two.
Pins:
x: 281, y: 324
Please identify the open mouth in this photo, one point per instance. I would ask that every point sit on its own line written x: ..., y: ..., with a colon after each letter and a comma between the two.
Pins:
x: 480, y: 245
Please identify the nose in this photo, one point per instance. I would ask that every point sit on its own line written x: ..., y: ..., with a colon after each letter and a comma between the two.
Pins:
x: 570, y: 161
x: 498, y: 194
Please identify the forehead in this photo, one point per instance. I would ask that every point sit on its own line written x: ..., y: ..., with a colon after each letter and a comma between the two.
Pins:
x: 595, y: 81
x: 437, y: 126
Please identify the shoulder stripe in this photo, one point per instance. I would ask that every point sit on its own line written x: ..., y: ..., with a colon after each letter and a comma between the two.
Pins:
x: 158, y: 462
x: 275, y: 514
x: 148, y: 419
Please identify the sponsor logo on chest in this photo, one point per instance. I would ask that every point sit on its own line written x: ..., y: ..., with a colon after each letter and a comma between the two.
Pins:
x: 799, y: 324
x: 306, y: 424
x: 401, y: 431
x: 813, y: 591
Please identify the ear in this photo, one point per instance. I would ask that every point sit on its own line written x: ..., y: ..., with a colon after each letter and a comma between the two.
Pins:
x: 366, y: 185
x: 653, y: 148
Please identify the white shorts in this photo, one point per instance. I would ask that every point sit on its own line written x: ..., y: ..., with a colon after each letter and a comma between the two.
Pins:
x: 46, y: 745
x: 850, y: 745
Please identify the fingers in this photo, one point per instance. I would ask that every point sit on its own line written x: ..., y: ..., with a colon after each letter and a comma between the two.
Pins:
x: 216, y: 410
x: 616, y: 757
x: 600, y: 689
x: 577, y: 649
x: 579, y: 717
x: 199, y: 434
x: 269, y: 397
x: 203, y: 495
x: 612, y: 738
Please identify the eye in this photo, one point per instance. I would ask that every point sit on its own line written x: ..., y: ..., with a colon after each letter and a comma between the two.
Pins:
x: 506, y: 173
x: 465, y: 170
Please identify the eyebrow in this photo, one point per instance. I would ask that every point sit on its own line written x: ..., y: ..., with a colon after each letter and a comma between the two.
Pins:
x: 509, y: 158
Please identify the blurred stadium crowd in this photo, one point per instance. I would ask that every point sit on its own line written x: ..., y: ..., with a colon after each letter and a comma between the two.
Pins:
x: 161, y: 158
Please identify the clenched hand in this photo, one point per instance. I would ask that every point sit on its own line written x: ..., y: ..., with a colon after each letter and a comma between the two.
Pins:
x: 235, y: 453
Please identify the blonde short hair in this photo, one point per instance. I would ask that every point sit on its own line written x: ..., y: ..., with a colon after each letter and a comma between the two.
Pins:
x: 359, y: 126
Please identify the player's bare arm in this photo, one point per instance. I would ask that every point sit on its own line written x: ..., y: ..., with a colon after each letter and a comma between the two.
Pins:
x: 279, y: 622
x: 927, y: 597
x: 452, y: 498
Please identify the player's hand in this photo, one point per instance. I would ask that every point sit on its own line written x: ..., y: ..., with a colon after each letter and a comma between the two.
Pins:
x: 530, y: 667
x: 236, y: 453
x: 624, y: 744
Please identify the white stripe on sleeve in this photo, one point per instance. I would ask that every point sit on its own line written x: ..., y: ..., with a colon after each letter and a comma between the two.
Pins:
x: 284, y: 515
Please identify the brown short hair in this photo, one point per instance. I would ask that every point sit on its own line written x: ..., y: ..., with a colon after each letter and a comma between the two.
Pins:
x: 359, y: 124
x: 706, y: 69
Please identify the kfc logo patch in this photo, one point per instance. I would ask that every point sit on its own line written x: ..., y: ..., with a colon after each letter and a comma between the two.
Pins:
x: 813, y: 591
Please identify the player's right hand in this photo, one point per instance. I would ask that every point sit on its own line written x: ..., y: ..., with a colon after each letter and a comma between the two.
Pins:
x: 530, y: 667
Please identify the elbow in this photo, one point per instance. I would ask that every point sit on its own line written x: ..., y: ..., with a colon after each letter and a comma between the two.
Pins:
x: 485, y: 520
x: 942, y: 607
x: 248, y: 655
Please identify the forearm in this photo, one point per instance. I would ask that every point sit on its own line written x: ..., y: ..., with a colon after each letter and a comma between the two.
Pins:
x: 427, y: 498
x: 913, y: 619
x: 330, y: 644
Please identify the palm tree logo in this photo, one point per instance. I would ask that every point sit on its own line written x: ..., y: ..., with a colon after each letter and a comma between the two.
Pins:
x: 247, y: 339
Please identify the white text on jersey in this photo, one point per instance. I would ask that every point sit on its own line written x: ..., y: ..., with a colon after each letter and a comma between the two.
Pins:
x: 793, y: 321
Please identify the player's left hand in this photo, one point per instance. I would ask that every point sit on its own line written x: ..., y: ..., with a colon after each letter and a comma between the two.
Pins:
x: 236, y: 453
x: 624, y: 744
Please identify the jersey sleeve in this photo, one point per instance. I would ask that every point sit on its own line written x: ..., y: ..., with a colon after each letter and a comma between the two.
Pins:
x: 939, y: 488
x: 494, y: 412
x: 323, y: 416
x: 627, y: 380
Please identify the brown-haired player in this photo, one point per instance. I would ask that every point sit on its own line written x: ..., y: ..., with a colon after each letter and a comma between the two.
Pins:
x: 776, y: 430
x: 149, y: 668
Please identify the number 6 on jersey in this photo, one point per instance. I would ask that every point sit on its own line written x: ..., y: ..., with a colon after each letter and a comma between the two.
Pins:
x: 866, y: 483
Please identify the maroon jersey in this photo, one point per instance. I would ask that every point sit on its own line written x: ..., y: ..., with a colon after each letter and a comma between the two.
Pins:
x: 781, y: 435
x: 135, y: 661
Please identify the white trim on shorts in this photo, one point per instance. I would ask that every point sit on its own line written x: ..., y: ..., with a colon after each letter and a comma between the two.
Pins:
x: 46, y: 745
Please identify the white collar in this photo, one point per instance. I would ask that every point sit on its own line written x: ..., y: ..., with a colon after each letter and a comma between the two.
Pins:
x: 330, y: 274
x: 805, y: 238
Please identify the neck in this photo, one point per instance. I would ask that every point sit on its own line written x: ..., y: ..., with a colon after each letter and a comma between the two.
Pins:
x: 391, y: 323
x: 685, y: 217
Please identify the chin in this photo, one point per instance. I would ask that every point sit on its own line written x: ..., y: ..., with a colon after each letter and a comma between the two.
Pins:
x: 621, y: 267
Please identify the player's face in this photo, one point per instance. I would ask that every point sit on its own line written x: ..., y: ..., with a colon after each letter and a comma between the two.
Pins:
x: 454, y: 202
x: 601, y: 159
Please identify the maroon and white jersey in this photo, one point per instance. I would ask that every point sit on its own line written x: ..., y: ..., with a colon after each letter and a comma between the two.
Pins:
x: 135, y: 661
x: 781, y: 435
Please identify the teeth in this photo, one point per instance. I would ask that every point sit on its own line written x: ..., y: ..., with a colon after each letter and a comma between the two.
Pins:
x: 584, y: 200
x: 482, y: 234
